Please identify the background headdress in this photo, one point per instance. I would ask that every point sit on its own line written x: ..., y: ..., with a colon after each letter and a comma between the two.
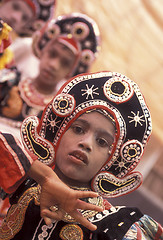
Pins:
x: 122, y: 99
x: 77, y: 26
x: 43, y: 11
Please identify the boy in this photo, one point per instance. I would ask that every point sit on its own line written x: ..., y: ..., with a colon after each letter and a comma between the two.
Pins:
x: 61, y: 53
x: 93, y: 134
x: 25, y: 17
x: 17, y: 163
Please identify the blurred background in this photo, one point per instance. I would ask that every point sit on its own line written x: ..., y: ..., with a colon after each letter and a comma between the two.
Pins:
x: 132, y: 44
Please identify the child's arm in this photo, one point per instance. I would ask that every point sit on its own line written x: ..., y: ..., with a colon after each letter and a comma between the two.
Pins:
x: 55, y: 192
x: 16, y: 163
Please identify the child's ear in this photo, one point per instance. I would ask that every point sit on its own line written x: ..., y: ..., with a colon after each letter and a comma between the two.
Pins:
x: 107, y: 185
x: 39, y: 146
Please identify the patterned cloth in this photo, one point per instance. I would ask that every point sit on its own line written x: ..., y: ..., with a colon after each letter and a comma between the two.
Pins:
x: 15, y: 162
x: 117, y: 222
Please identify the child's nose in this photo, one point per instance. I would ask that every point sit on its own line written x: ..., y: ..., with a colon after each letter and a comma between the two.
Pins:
x: 86, y: 143
x: 55, y: 63
x: 17, y: 17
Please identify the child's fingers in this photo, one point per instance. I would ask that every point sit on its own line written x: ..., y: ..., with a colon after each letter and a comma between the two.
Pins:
x: 86, y: 194
x: 47, y: 220
x: 88, y: 206
x: 48, y: 214
x: 83, y: 221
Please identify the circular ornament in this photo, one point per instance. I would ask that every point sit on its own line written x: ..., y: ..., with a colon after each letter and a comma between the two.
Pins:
x: 80, y: 30
x: 63, y: 104
x: 38, y: 24
x: 118, y: 90
x: 87, y: 57
x: 132, y: 150
x: 53, y: 31
x: 71, y: 232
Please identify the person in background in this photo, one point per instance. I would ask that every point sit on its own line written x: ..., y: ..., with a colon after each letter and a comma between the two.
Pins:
x: 25, y: 17
x: 93, y: 134
x: 65, y: 46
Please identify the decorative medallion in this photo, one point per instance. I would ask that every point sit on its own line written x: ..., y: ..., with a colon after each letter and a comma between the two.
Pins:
x: 53, y: 31
x: 63, y: 105
x: 132, y: 151
x: 71, y: 232
x: 118, y: 90
x: 80, y: 30
x: 87, y: 56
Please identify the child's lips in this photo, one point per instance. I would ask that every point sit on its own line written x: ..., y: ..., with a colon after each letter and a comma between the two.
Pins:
x: 49, y: 73
x: 79, y: 156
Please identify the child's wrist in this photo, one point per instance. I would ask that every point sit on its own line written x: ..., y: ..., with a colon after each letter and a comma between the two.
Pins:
x: 40, y: 172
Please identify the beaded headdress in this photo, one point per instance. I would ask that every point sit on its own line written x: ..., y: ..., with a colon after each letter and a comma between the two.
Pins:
x: 43, y: 11
x: 113, y: 93
x: 77, y: 26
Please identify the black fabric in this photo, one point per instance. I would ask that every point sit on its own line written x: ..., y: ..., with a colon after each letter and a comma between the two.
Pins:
x: 13, y: 144
x: 110, y: 227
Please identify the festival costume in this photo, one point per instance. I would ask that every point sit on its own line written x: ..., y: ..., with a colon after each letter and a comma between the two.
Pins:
x: 21, y: 47
x: 14, y: 164
x: 76, y: 31
x: 43, y: 10
x: 119, y: 99
x: 77, y: 26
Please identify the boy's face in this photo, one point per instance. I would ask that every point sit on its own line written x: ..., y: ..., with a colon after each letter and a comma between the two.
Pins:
x: 17, y: 14
x: 56, y: 63
x: 84, y: 148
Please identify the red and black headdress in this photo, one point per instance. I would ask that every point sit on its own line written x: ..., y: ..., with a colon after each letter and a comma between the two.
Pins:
x: 43, y: 11
x: 78, y: 26
x: 117, y: 95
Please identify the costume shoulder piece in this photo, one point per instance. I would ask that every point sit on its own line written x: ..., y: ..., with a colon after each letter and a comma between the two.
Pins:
x: 120, y: 99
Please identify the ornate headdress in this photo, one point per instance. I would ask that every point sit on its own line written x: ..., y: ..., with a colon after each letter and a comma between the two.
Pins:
x: 121, y: 98
x: 43, y: 11
x: 77, y: 26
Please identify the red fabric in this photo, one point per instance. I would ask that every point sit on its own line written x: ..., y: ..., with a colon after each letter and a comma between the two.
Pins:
x: 159, y: 232
x: 12, y: 172
x: 4, y: 44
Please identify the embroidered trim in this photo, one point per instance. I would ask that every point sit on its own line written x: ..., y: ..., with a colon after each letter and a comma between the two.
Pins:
x: 16, y: 214
x: 32, y: 97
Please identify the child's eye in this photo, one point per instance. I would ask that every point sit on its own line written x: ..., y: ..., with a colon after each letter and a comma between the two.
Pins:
x: 65, y: 63
x: 16, y: 6
x: 102, y: 142
x: 25, y: 18
x: 53, y: 54
x: 78, y: 129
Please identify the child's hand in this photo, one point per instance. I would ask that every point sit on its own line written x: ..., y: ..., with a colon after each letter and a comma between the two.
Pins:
x: 67, y: 200
x: 55, y: 192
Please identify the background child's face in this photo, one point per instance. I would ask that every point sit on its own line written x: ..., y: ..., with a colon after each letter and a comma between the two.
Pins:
x: 84, y: 148
x: 17, y: 14
x: 56, y: 62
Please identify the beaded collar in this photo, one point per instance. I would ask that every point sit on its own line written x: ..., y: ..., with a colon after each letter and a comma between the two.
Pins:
x: 32, y: 96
